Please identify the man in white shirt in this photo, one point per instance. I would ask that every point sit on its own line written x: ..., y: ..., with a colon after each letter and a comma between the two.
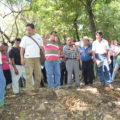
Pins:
x: 30, y: 56
x: 2, y: 81
x: 101, y: 52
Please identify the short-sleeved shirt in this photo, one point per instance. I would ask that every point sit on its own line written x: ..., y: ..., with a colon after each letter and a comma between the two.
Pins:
x: 51, y: 51
x: 15, y: 54
x: 71, y: 55
x: 100, y: 47
x: 32, y: 50
x: 85, y: 56
x: 5, y: 59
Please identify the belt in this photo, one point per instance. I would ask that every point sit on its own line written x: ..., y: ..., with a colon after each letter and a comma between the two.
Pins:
x: 70, y: 58
x: 101, y: 54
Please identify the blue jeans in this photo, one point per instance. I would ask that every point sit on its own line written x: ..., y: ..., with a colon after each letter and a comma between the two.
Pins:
x: 116, y: 68
x: 2, y: 86
x: 104, y: 70
x: 53, y: 73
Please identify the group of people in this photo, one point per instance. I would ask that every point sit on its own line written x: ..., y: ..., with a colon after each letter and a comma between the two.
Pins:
x: 40, y: 60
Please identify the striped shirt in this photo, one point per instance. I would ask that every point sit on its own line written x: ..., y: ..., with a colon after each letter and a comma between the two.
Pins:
x: 51, y: 51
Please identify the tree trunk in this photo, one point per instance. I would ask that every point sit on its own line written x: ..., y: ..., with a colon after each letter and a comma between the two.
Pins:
x: 91, y: 18
x: 76, y: 28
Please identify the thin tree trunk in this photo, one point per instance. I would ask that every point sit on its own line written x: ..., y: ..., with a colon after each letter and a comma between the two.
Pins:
x: 91, y: 18
x: 76, y: 28
x: 4, y: 35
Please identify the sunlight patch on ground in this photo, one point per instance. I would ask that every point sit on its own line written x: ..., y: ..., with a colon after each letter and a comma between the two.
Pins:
x: 75, y: 104
x: 118, y: 89
x: 117, y: 103
x: 92, y: 90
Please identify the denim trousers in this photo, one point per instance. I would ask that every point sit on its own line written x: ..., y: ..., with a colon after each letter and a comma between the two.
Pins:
x: 2, y: 86
x: 104, y: 71
x: 53, y: 73
x: 116, y: 68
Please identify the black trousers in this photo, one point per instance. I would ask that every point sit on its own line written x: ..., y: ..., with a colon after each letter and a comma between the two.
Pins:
x: 63, y: 73
x: 7, y: 75
x: 44, y: 79
x: 111, y: 65
x: 88, y: 72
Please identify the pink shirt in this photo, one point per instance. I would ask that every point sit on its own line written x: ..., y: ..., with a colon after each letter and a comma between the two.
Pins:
x: 5, y: 59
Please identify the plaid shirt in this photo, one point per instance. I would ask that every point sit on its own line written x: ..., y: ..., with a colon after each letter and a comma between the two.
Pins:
x: 71, y: 55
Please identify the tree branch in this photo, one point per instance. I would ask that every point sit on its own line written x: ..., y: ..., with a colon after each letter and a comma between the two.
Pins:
x: 5, y: 35
x: 14, y: 11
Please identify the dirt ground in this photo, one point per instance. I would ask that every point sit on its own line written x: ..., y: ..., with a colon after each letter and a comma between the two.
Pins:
x: 85, y: 103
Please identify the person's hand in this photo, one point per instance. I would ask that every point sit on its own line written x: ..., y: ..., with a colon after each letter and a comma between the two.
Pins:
x: 81, y: 51
x: 6, y: 62
x: 77, y: 58
x: 16, y: 71
x: 56, y: 39
x: 109, y: 61
x: 52, y: 38
x: 22, y: 62
x: 90, y: 51
x: 73, y: 49
x: 94, y: 60
x: 61, y: 56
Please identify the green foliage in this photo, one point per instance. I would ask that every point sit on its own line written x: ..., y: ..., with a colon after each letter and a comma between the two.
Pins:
x: 107, y: 20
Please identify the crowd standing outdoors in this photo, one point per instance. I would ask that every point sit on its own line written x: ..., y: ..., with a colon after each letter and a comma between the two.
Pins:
x: 33, y: 62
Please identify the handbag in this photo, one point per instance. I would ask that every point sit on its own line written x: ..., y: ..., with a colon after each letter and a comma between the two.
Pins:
x: 42, y: 55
